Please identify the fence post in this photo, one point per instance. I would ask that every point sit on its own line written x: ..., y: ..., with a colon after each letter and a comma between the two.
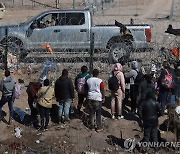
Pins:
x: 74, y: 4
x: 6, y: 49
x: 91, y: 52
x: 57, y: 3
x: 102, y: 6
x: 33, y: 3
x: 172, y: 10
x: 13, y: 3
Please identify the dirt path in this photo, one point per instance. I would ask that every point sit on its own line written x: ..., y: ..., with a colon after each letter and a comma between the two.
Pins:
x: 157, y: 8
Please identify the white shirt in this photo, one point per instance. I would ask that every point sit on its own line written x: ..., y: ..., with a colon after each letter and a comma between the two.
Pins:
x: 94, y: 92
x: 177, y: 109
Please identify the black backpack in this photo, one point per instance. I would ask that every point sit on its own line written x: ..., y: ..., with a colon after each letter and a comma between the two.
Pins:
x: 139, y: 78
x: 113, y: 83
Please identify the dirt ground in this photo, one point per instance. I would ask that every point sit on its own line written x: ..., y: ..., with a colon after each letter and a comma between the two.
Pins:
x: 76, y: 137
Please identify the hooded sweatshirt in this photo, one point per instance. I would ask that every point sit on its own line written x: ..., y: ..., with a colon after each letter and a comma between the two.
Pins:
x: 133, y: 73
x: 64, y: 88
x: 7, y: 86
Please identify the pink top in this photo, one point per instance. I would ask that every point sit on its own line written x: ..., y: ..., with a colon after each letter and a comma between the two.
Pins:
x: 120, y: 76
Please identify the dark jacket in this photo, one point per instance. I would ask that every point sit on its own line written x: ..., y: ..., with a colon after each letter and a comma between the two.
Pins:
x: 32, y: 90
x: 143, y: 88
x: 64, y: 88
x: 149, y: 111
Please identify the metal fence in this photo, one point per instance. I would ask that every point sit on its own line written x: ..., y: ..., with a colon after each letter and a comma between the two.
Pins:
x: 73, y: 60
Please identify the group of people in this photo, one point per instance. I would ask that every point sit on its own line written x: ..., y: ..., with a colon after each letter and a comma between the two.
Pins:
x: 91, y: 89
x: 149, y: 95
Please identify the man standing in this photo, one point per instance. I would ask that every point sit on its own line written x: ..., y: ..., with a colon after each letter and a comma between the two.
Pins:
x: 95, y: 97
x: 64, y: 93
x: 32, y: 91
x: 80, y: 82
x: 7, y: 88
x: 131, y: 75
x: 149, y: 111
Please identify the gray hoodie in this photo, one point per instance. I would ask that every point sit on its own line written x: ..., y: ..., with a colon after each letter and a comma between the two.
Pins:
x: 133, y: 73
x: 7, y: 86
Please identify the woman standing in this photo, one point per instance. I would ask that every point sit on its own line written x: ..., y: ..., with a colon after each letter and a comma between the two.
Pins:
x: 45, y: 96
x: 117, y: 95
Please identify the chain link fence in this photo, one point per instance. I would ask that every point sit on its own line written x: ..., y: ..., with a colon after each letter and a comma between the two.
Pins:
x: 105, y: 13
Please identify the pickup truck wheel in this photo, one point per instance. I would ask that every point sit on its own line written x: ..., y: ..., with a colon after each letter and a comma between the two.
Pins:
x: 120, y: 52
x: 15, y: 46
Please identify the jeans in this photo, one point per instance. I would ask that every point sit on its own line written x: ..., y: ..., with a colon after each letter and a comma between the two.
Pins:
x: 133, y: 96
x: 166, y: 98
x: 95, y: 108
x: 150, y: 133
x: 44, y: 114
x: 64, y: 106
x: 81, y: 98
x: 34, y: 112
x: 3, y: 101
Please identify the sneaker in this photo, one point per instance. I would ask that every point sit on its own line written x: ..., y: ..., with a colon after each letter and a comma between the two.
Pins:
x: 92, y: 128
x: 45, y: 128
x: 120, y: 117
x: 99, y: 130
x: 113, y: 117
x: 10, y: 121
x: 165, y: 111
x: 41, y: 129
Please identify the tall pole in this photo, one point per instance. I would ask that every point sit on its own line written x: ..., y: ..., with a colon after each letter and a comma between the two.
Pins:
x: 74, y: 4
x: 6, y: 49
x: 91, y: 52
x: 172, y: 10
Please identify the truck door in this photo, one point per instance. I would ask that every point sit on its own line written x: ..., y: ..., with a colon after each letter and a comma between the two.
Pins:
x: 43, y: 30
x: 74, y: 32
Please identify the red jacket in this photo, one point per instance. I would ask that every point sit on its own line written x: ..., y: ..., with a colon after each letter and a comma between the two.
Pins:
x: 32, y: 90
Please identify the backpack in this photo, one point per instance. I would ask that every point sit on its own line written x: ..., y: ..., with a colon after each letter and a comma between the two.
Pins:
x: 113, y: 83
x: 17, y: 91
x: 81, y: 85
x: 139, y: 78
x: 167, y: 80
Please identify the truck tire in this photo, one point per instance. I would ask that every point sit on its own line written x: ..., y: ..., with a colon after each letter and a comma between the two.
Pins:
x: 120, y: 52
x: 15, y: 46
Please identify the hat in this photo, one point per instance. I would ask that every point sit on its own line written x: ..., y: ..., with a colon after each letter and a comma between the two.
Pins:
x: 134, y: 65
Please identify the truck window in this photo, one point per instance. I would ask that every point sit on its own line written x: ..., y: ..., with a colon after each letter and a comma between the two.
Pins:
x: 48, y: 20
x: 71, y: 19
